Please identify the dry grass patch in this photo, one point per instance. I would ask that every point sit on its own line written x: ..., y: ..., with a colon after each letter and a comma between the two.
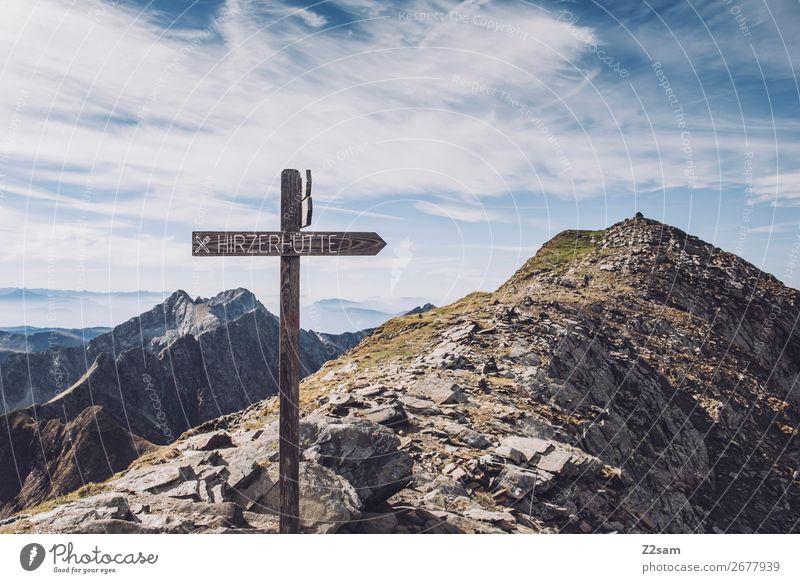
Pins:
x: 90, y: 489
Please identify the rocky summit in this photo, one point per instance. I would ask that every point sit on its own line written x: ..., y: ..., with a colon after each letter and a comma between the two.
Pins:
x: 145, y: 382
x: 632, y: 379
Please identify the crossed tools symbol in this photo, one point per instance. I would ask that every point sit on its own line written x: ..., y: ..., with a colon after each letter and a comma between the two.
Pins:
x: 201, y: 243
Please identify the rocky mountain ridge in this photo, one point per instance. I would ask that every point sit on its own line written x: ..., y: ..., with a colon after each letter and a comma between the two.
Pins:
x: 154, y: 377
x: 632, y: 379
x: 35, y: 378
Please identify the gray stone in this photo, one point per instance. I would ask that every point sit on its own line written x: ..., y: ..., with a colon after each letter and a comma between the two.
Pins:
x: 448, y: 355
x: 187, y: 516
x: 208, y: 491
x: 114, y: 526
x: 569, y: 462
x: 488, y: 516
x: 188, y: 489
x: 443, y: 491
x: 157, y: 478
x: 527, y: 447
x: 166, y: 523
x: 466, y: 435
x: 364, y: 453
x: 510, y: 453
x: 218, y: 493
x: 241, y: 466
x: 371, y: 390
x: 250, y: 496
x: 105, y: 506
x: 265, y: 523
x: 555, y: 461
x: 327, y: 501
x: 474, y: 439
x: 387, y: 414
x: 349, y: 367
x: 441, y: 392
x: 212, y: 441
x: 548, y: 511
x: 419, y: 406
x: 489, y: 367
x: 341, y: 399
x: 519, y: 482
x: 458, y: 474
x: 461, y: 333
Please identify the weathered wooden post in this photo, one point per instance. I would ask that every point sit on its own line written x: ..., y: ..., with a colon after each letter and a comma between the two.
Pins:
x: 289, y: 243
x: 289, y: 355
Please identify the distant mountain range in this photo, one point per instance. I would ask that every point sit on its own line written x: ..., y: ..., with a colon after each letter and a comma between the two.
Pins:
x: 337, y: 315
x: 39, y: 307
x: 73, y: 309
x: 41, y: 294
x: 23, y: 339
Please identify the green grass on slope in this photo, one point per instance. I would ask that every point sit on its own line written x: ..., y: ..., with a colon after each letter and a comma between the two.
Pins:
x: 559, y: 253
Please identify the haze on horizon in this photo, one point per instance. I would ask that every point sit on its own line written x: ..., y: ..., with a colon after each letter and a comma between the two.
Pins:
x: 466, y: 134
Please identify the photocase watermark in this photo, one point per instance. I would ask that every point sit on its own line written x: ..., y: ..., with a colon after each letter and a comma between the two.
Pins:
x: 56, y: 371
x: 31, y: 556
x: 589, y: 41
x: 689, y: 167
x: 83, y: 230
x: 526, y: 112
x: 345, y: 153
x: 741, y: 20
x: 9, y: 139
x: 749, y: 205
x: 186, y: 50
x: 761, y: 342
x: 95, y: 561
x: 155, y: 399
x: 483, y: 21
x: 492, y: 25
x: 99, y: 8
x: 201, y: 211
x: 401, y: 259
x: 65, y: 559
x: 329, y: 348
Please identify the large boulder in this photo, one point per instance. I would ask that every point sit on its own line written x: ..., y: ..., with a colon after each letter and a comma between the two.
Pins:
x: 327, y: 501
x: 79, y: 514
x: 363, y: 453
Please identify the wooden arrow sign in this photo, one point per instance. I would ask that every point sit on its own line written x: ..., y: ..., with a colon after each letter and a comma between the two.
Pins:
x: 279, y: 243
x: 289, y: 244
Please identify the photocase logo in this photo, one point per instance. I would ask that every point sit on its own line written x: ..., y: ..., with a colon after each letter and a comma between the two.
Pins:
x: 402, y: 257
x: 31, y: 556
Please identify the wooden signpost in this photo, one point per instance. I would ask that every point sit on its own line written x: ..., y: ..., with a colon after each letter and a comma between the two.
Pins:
x: 289, y: 244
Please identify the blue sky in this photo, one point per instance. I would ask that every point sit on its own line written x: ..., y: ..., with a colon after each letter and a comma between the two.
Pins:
x: 467, y: 134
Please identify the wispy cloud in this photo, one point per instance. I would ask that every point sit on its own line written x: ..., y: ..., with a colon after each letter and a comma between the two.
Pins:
x: 779, y: 189
x: 456, y: 212
x: 109, y: 117
x: 775, y: 228
x: 311, y: 18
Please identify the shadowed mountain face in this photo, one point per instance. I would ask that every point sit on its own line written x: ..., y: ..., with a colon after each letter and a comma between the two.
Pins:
x: 225, y: 323
x: 47, y: 458
x: 633, y: 379
x: 180, y: 364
